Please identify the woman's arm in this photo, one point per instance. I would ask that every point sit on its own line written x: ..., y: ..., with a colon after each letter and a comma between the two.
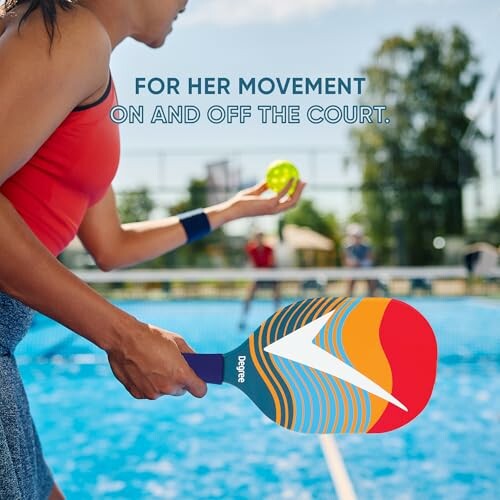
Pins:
x: 33, y: 103
x: 145, y: 359
x: 115, y: 246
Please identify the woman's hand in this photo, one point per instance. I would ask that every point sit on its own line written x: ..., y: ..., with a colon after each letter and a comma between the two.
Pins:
x: 251, y: 202
x: 149, y: 364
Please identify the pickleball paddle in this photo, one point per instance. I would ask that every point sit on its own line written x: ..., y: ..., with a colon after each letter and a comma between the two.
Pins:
x: 333, y: 365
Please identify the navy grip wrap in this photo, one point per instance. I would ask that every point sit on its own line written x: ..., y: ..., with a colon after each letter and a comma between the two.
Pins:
x: 196, y: 224
x: 209, y: 367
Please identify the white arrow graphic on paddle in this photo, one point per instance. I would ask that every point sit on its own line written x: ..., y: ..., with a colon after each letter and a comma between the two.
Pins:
x: 298, y: 346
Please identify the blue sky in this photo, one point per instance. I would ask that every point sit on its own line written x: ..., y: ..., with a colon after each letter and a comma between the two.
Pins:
x: 280, y: 38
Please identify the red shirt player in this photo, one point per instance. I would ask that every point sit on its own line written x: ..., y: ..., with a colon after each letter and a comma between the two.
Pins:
x: 262, y: 257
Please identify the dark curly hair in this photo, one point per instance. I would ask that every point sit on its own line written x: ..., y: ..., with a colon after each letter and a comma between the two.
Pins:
x: 47, y: 7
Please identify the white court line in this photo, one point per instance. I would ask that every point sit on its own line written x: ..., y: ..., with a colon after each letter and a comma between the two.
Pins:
x: 337, y: 468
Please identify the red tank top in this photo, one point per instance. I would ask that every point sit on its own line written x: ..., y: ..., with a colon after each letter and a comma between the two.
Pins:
x: 262, y: 256
x: 68, y: 174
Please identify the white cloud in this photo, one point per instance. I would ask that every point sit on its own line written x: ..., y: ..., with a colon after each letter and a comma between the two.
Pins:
x: 237, y: 12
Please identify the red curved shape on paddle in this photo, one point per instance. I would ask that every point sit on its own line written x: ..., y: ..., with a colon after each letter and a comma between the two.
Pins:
x: 410, y: 346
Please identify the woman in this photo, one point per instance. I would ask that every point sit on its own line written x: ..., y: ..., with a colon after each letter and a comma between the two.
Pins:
x: 58, y: 155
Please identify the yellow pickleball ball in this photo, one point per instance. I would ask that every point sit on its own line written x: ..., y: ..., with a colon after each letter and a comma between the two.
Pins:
x: 279, y: 174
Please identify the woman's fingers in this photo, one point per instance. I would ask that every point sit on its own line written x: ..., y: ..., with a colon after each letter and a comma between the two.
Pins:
x: 183, y: 345
x: 148, y: 386
x: 139, y: 386
x: 190, y: 381
x: 178, y: 393
x: 291, y: 201
x: 126, y: 381
x: 155, y: 367
x: 258, y: 189
x: 197, y: 388
x: 285, y: 190
x: 194, y: 384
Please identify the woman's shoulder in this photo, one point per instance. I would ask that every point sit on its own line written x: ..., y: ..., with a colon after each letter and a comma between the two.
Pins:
x: 82, y: 36
x: 81, y: 24
x: 73, y: 68
x: 77, y: 32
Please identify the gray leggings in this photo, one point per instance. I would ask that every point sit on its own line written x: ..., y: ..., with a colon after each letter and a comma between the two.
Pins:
x: 24, y: 475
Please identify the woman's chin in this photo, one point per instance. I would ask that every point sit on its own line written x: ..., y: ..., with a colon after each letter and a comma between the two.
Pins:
x: 158, y: 42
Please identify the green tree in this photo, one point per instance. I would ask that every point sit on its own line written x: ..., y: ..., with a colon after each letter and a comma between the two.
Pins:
x: 414, y: 168
x: 197, y: 197
x: 135, y: 206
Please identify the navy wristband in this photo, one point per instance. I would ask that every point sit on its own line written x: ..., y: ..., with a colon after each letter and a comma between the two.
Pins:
x: 196, y: 224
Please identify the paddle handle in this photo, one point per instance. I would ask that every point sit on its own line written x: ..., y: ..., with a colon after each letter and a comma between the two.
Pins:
x: 209, y: 367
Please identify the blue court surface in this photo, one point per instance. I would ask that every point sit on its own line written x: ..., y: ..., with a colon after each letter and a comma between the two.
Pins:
x: 101, y: 443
